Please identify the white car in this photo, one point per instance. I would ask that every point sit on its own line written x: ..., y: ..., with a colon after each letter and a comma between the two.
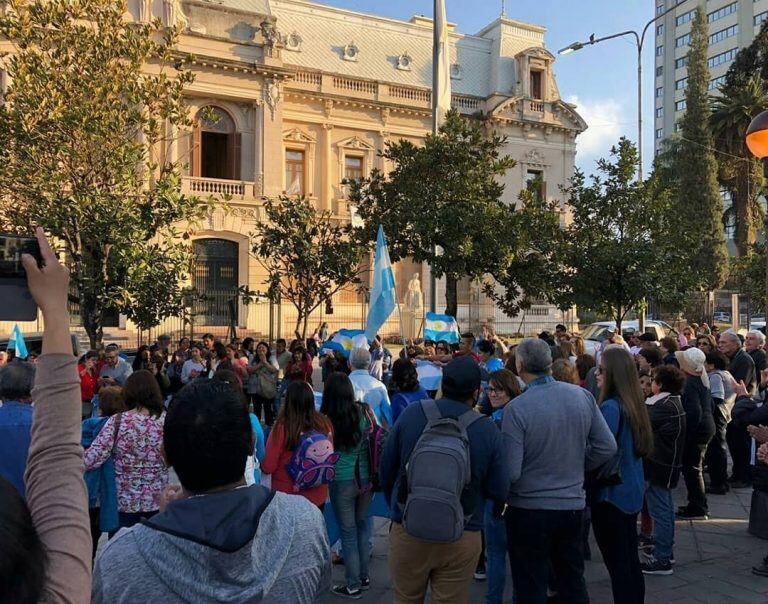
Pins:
x: 597, y: 333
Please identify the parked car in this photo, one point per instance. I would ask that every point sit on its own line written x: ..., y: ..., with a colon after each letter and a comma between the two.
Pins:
x: 34, y: 342
x: 757, y: 324
x: 597, y: 333
x: 722, y: 316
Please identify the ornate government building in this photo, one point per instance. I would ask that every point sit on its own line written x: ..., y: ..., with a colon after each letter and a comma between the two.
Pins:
x: 307, y: 95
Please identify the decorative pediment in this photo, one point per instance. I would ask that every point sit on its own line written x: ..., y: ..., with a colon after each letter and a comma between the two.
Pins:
x: 534, y: 157
x: 536, y: 52
x: 354, y: 142
x: 567, y: 113
x: 298, y: 136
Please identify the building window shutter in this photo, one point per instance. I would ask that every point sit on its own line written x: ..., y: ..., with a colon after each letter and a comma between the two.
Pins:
x: 235, y: 155
x: 195, y: 152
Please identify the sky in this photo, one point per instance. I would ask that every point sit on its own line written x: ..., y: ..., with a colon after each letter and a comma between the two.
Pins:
x: 601, y: 80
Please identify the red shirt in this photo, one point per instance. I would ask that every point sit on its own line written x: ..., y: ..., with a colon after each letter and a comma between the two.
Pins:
x: 89, y: 383
x: 276, y: 457
x: 299, y: 371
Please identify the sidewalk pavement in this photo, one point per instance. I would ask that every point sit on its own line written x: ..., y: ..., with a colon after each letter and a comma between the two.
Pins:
x: 714, y: 558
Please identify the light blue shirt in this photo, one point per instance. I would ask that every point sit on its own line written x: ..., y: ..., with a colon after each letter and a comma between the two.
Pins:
x: 373, y: 393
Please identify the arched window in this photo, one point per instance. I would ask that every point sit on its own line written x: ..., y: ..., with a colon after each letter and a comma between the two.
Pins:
x: 215, y: 279
x: 215, y: 145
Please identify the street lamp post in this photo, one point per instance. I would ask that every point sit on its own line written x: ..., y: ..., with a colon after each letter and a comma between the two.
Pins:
x: 639, y: 41
x: 757, y: 142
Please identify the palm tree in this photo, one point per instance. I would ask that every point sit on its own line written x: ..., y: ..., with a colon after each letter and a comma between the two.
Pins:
x: 739, y: 172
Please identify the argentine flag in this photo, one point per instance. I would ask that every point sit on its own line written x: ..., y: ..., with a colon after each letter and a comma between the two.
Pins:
x: 383, y: 291
x: 345, y: 340
x: 441, y: 328
x: 17, y: 344
x: 430, y: 375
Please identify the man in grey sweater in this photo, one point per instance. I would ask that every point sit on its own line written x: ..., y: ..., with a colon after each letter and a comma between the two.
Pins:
x: 218, y: 540
x: 553, y: 432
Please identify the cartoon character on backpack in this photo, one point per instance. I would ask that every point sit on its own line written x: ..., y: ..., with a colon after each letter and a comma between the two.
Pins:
x: 312, y: 462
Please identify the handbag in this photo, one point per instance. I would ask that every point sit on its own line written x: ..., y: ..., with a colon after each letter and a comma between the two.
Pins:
x: 608, y: 474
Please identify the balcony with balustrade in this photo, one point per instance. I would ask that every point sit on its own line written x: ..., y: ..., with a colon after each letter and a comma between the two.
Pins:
x: 235, y: 190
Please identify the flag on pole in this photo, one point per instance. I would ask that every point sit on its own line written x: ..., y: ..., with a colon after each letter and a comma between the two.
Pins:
x: 441, y: 328
x: 345, y: 340
x: 17, y: 344
x: 441, y: 72
x: 383, y: 291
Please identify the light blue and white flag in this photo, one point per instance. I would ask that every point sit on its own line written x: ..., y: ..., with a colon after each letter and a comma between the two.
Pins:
x: 441, y: 328
x: 17, y: 344
x: 430, y: 375
x: 383, y: 291
x: 345, y: 340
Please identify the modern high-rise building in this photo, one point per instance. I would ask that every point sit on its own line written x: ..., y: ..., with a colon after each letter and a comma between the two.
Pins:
x: 732, y: 26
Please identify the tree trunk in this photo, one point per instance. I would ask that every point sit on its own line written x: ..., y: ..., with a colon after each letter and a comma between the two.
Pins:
x: 92, y: 317
x: 451, y: 295
x: 741, y: 198
x: 304, y: 327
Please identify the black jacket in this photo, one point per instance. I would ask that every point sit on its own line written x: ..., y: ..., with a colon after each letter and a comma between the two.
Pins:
x: 698, y: 405
x: 662, y: 466
x: 742, y: 368
x: 746, y: 412
x: 759, y: 357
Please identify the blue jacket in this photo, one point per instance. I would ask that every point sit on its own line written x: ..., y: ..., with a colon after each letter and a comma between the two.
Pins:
x: 627, y: 496
x: 258, y: 451
x: 15, y: 435
x: 102, y: 491
x: 490, y: 477
x: 400, y: 400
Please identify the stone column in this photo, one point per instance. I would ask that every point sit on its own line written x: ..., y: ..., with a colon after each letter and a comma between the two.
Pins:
x: 326, y: 196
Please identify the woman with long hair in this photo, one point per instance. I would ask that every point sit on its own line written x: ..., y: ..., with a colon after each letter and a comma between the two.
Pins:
x: 300, y: 366
x: 615, y: 508
x: 503, y: 387
x: 404, y: 387
x: 297, y: 416
x: 143, y: 358
x: 350, y: 490
x: 134, y: 441
x: 262, y: 383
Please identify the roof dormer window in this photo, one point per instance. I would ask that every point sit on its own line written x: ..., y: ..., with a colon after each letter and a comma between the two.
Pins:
x: 351, y: 52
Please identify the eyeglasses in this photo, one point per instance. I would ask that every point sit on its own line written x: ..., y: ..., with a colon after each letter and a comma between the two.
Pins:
x: 493, y: 390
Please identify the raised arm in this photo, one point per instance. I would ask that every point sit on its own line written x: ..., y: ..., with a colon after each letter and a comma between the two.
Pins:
x: 56, y: 492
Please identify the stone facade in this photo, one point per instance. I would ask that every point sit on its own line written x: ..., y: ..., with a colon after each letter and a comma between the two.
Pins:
x: 306, y: 95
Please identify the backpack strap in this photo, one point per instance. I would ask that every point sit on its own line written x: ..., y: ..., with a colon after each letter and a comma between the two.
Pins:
x: 431, y: 410
x: 468, y: 418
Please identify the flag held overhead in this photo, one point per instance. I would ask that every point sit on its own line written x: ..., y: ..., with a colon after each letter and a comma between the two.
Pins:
x: 441, y: 328
x: 383, y: 300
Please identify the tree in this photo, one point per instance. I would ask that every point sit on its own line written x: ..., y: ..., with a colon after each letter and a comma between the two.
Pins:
x: 441, y: 203
x: 538, y: 269
x: 699, y: 204
x: 91, y: 100
x: 740, y: 172
x: 308, y: 256
x: 622, y: 243
x: 749, y: 271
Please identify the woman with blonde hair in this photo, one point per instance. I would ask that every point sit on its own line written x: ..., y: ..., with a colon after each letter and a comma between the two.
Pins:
x: 615, y: 508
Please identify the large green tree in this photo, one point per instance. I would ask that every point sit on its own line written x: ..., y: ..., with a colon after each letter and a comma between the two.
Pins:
x: 699, y: 204
x: 92, y: 98
x: 622, y: 243
x: 441, y: 203
x: 740, y: 173
x: 307, y: 254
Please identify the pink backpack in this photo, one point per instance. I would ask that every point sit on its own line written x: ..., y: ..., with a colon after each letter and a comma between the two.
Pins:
x: 313, y: 461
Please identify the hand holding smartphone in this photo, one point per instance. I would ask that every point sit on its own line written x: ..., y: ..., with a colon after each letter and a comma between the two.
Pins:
x: 18, y: 303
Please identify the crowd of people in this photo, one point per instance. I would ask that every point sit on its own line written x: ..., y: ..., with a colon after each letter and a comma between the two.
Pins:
x: 210, y: 470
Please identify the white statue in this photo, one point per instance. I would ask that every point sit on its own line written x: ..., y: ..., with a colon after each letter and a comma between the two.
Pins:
x: 173, y: 14
x: 145, y: 11
x: 414, y: 299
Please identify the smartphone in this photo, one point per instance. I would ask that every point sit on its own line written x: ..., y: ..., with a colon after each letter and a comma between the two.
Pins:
x: 18, y: 303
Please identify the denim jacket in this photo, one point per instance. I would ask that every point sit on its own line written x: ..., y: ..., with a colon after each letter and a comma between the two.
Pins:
x: 102, y: 492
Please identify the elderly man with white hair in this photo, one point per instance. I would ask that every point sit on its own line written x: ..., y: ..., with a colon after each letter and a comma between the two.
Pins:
x: 368, y: 389
x: 753, y: 344
x: 742, y: 368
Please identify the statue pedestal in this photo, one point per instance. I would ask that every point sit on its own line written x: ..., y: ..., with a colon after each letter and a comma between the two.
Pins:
x: 411, y: 324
